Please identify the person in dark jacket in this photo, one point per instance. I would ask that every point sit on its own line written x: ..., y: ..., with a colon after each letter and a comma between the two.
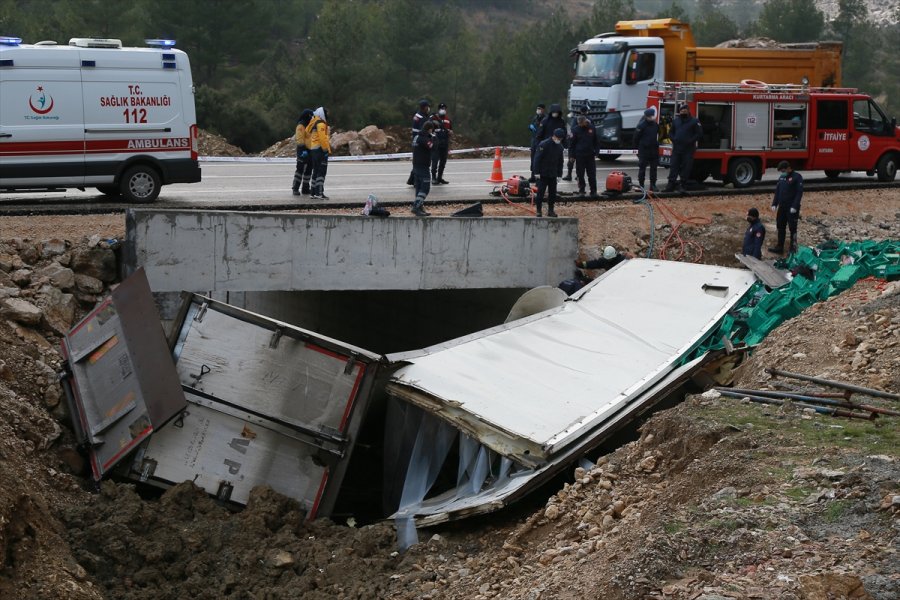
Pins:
x: 786, y: 203
x: 685, y: 133
x: 443, y: 129
x: 610, y: 258
x: 548, y: 165
x: 646, y: 140
x: 423, y: 144
x: 533, y: 127
x: 754, y: 236
x: 573, y: 123
x: 418, y: 120
x: 303, y: 171
x: 551, y: 123
x: 584, y: 145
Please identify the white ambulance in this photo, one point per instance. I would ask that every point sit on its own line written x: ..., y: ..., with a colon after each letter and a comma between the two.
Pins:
x: 95, y: 114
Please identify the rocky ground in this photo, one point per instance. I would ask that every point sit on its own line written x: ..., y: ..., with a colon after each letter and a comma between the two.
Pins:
x: 718, y: 498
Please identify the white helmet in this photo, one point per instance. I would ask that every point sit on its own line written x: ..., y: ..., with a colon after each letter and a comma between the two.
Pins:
x: 609, y: 253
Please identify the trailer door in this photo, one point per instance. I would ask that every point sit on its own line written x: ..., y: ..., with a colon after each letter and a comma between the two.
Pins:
x: 830, y: 143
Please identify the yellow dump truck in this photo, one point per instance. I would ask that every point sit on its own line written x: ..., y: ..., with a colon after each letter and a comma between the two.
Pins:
x: 614, y: 71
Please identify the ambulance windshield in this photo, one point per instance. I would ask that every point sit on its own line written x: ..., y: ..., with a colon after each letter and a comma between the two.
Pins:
x: 600, y: 68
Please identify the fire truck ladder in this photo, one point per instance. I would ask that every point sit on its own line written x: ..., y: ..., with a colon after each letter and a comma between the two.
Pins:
x: 680, y: 90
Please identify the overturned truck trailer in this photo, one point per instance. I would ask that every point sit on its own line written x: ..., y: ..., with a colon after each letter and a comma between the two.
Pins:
x: 249, y: 400
x: 513, y: 405
x: 468, y: 425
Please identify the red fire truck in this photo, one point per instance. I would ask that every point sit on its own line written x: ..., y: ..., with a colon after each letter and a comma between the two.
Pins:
x: 751, y: 126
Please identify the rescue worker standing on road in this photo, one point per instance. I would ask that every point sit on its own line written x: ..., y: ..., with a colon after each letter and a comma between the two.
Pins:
x: 303, y: 172
x: 443, y: 129
x: 549, y: 124
x: 533, y: 127
x: 646, y: 140
x: 685, y: 133
x: 786, y: 203
x: 319, y: 148
x: 573, y: 123
x: 418, y: 120
x: 754, y: 236
x: 423, y: 145
x: 548, y: 165
x: 584, y: 145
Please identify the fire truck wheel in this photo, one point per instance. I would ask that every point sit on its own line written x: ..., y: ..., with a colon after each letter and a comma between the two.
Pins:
x: 108, y: 190
x: 742, y: 171
x: 832, y: 173
x: 887, y: 167
x: 140, y: 184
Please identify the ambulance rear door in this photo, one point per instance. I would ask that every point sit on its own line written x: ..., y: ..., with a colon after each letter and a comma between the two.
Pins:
x: 133, y: 110
x: 41, y: 118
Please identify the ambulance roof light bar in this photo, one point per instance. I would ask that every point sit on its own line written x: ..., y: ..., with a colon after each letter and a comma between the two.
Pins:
x: 160, y: 43
x: 6, y: 40
x: 95, y: 43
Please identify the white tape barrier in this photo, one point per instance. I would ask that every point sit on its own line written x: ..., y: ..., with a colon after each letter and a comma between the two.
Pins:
x: 364, y: 157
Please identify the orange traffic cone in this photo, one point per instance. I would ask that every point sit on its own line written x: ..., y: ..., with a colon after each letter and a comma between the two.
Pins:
x: 497, y: 171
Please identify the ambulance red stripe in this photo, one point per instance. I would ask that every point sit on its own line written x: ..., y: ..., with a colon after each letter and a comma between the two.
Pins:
x: 134, y: 146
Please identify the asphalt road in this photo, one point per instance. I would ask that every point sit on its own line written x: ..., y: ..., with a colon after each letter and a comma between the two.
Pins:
x: 251, y: 184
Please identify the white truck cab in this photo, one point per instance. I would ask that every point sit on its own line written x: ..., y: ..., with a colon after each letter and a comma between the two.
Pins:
x: 95, y: 114
x: 614, y: 72
x: 613, y: 76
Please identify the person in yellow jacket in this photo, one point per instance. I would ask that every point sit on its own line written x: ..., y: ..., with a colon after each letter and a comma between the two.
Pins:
x: 303, y: 173
x: 319, y: 149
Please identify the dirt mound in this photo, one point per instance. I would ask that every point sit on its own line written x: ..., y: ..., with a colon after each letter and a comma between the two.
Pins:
x: 858, y: 333
x: 212, y: 144
x: 286, y: 148
x: 187, y: 545
x: 397, y: 141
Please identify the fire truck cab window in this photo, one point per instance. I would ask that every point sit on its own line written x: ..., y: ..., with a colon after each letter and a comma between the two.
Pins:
x: 832, y: 114
x: 867, y: 117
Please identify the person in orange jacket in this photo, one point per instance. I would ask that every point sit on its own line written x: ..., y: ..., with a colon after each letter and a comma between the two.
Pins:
x: 303, y: 172
x: 319, y: 149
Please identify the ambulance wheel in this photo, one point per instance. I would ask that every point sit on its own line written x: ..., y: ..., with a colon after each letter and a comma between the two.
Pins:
x: 832, y: 173
x: 108, y: 190
x: 742, y: 172
x: 608, y: 157
x: 887, y: 167
x: 140, y: 184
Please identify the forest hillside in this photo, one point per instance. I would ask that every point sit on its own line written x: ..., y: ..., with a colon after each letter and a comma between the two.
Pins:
x: 257, y: 63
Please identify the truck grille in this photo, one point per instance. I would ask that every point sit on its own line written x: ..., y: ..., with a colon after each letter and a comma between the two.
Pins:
x: 596, y: 108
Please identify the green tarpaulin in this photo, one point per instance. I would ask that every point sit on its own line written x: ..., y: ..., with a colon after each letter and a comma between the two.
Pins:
x: 818, y: 273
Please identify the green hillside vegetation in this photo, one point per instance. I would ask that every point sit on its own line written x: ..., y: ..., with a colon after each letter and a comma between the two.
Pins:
x: 257, y: 63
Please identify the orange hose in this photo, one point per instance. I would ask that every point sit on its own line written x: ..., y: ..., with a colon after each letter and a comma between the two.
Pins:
x: 503, y: 195
x: 674, y: 240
